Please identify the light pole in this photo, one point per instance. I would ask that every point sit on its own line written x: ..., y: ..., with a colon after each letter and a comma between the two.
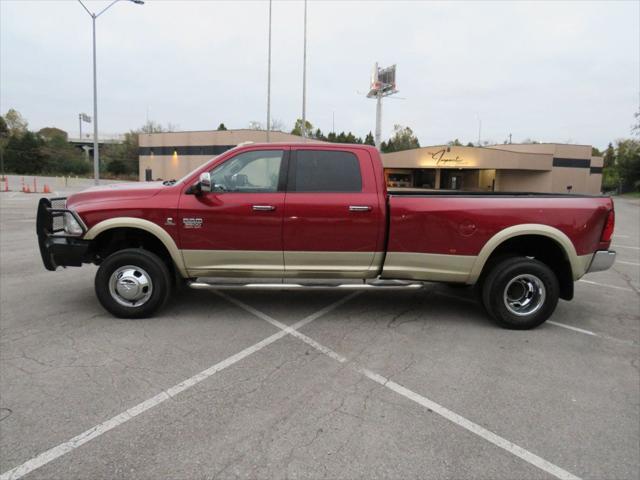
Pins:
x: 96, y: 153
x: 269, y: 79
x: 304, y: 76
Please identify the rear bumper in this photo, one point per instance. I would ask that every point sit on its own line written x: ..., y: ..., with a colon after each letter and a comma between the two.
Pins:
x: 602, y: 260
x: 57, y: 250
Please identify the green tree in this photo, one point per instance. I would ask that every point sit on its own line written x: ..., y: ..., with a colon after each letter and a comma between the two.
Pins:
x: 628, y: 164
x: 221, y: 127
x: 609, y: 157
x: 117, y: 167
x: 318, y: 134
x: 16, y: 123
x: 48, y: 133
x: 470, y: 144
x: 454, y: 143
x: 595, y: 152
x: 369, y: 140
x: 403, y: 138
x: 23, y: 154
x: 4, y: 138
x: 125, y: 155
x: 299, y: 130
x: 60, y: 157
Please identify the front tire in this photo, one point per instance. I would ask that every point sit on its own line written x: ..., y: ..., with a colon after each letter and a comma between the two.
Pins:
x: 520, y: 293
x: 132, y: 283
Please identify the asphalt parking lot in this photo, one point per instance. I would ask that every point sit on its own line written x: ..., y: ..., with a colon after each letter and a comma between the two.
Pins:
x: 313, y: 384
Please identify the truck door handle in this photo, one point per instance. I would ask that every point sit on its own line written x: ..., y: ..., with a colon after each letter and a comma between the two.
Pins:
x: 359, y: 208
x: 263, y: 208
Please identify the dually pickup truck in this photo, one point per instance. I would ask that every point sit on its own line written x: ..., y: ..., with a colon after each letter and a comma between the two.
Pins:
x: 322, y: 211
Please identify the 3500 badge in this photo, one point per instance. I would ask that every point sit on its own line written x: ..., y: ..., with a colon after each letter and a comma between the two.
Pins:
x: 192, y: 222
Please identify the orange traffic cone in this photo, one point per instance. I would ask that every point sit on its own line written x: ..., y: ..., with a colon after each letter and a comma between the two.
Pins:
x: 46, y: 189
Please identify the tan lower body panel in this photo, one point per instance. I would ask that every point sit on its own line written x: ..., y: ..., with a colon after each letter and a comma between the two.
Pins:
x: 428, y: 266
x: 233, y: 263
x: 332, y: 264
x: 584, y: 262
x: 249, y: 263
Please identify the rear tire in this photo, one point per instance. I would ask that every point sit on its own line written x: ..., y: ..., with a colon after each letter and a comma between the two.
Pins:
x: 133, y: 283
x: 520, y: 293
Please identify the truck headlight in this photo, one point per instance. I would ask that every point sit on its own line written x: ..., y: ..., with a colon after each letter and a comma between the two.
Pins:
x: 71, y: 225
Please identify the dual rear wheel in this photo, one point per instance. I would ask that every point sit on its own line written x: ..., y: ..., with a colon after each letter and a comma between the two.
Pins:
x: 520, y: 292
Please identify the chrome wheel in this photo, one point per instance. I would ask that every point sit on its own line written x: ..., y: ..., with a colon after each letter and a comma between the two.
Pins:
x: 524, y: 295
x: 130, y: 286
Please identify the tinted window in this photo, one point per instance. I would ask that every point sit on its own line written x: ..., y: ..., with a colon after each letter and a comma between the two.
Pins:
x: 249, y: 172
x: 327, y: 171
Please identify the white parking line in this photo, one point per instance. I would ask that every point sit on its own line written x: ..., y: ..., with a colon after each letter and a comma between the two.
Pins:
x: 94, y: 432
x: 444, y: 412
x: 626, y: 246
x: 628, y: 263
x: 575, y: 329
x: 606, y: 285
x: 593, y: 334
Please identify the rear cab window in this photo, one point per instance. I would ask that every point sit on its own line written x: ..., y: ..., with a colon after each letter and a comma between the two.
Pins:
x: 325, y: 171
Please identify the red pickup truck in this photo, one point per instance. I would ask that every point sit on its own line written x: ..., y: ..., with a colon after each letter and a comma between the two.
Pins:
x: 322, y: 211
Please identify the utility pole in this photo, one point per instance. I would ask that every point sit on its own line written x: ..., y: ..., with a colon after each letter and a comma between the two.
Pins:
x: 269, y: 79
x: 509, y: 139
x: 304, y: 76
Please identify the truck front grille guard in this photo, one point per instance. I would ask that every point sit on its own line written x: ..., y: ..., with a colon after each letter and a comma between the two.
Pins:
x: 50, y: 218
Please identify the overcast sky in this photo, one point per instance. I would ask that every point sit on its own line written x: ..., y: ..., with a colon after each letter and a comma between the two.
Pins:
x: 550, y: 71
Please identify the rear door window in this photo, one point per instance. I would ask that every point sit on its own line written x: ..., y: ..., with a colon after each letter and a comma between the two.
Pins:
x: 326, y: 171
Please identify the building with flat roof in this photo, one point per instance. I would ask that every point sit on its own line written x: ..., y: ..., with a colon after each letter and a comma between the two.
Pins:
x: 540, y: 167
x: 174, y: 154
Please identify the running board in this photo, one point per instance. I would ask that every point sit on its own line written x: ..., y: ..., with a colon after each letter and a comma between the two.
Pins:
x: 393, y: 285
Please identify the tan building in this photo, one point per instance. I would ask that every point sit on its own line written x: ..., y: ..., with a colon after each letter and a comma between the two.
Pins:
x: 542, y: 167
x: 174, y: 154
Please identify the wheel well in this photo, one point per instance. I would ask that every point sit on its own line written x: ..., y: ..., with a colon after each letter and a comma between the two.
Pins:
x: 115, y: 239
x: 542, y: 248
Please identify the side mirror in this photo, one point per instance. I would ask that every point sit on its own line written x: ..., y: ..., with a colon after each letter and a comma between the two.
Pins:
x: 205, y: 182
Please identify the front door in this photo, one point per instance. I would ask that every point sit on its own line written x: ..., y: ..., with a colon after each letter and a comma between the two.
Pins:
x: 236, y: 230
x: 332, y: 219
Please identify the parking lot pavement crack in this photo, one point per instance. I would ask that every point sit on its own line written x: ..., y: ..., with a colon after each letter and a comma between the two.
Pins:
x: 627, y: 280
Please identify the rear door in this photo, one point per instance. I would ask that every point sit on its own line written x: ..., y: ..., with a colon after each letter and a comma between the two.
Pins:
x: 332, y: 216
x: 236, y: 230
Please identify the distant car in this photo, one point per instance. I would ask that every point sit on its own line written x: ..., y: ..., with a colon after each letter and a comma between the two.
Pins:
x: 322, y: 211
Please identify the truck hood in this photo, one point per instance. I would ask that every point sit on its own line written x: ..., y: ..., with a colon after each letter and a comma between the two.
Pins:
x: 115, y: 191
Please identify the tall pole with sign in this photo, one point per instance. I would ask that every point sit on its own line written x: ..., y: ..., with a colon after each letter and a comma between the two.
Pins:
x: 383, y: 84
